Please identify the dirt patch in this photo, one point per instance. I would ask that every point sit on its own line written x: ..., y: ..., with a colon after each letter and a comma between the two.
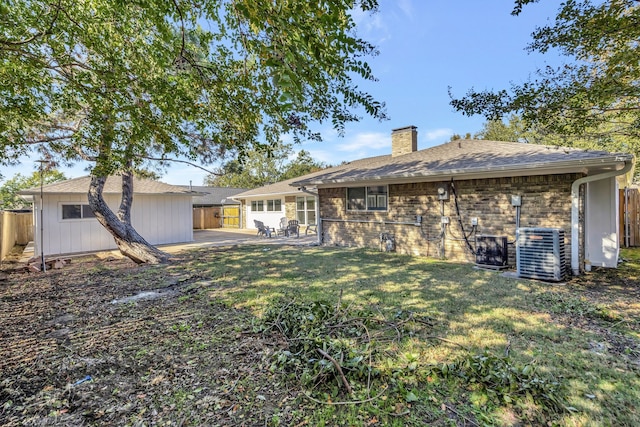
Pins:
x: 69, y: 355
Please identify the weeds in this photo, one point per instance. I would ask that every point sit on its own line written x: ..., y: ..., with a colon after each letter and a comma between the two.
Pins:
x: 574, y: 306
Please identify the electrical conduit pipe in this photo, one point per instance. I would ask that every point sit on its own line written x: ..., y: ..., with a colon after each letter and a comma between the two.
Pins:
x: 575, y: 205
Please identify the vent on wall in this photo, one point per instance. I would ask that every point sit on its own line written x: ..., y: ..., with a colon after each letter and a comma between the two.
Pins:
x: 492, y: 251
x: 540, y: 253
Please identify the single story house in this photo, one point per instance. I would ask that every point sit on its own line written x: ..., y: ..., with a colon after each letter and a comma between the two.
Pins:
x: 440, y: 201
x: 215, y: 207
x: 270, y: 203
x: 64, y: 223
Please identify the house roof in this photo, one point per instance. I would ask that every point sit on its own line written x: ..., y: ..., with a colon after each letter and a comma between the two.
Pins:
x: 214, y: 195
x: 289, y: 186
x: 113, y: 185
x: 468, y: 159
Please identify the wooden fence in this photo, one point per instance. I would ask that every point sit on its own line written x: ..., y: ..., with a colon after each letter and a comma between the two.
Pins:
x: 16, y: 228
x: 204, y: 218
x: 630, y: 217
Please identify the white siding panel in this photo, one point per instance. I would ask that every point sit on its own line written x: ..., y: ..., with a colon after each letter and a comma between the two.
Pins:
x: 159, y: 219
x: 163, y: 219
x: 270, y: 219
x: 601, y: 231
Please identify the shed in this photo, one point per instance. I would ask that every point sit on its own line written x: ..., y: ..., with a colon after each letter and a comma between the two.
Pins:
x: 64, y: 223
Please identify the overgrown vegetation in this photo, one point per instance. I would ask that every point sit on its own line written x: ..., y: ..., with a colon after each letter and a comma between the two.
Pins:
x: 317, y: 336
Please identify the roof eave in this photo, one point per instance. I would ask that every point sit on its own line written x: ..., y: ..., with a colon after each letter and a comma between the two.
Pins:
x: 541, y: 168
x: 279, y: 193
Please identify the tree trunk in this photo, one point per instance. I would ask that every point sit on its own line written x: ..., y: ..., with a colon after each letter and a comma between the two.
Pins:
x: 130, y: 243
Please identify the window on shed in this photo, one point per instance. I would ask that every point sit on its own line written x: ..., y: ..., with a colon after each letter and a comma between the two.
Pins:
x: 87, y: 212
x: 257, y: 206
x: 76, y: 211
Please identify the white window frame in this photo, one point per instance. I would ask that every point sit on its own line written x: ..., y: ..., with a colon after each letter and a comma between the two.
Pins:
x: 305, y: 212
x: 86, y: 214
x: 255, y: 204
x: 271, y: 205
x: 369, y: 199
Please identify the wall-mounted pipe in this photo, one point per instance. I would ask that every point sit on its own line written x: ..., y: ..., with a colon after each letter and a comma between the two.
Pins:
x: 627, y: 225
x: 575, y: 210
x: 368, y: 221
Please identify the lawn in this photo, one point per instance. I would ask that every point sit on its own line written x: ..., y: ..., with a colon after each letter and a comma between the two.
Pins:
x: 280, y: 336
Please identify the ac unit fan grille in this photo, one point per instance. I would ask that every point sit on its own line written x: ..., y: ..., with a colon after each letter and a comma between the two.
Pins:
x: 540, y: 253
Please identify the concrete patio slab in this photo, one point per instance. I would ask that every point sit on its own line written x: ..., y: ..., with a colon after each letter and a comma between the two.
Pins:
x: 231, y: 237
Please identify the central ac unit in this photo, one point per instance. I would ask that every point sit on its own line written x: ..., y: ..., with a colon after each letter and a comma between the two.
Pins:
x: 540, y: 253
x: 492, y: 251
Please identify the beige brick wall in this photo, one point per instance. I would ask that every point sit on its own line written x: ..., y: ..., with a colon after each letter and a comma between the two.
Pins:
x: 546, y: 202
x: 404, y: 141
x: 290, y: 207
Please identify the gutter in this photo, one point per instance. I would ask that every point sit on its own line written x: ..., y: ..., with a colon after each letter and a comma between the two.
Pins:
x: 575, y: 205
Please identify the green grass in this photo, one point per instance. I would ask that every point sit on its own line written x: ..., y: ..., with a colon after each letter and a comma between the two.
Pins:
x: 563, y: 337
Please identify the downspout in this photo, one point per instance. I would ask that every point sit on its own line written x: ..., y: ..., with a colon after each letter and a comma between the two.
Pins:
x: 575, y: 208
x: 318, y: 219
x: 627, y: 225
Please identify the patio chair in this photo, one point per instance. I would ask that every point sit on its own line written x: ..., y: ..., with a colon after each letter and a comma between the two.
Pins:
x: 311, y: 228
x: 263, y: 230
x: 282, y: 228
x: 293, y: 227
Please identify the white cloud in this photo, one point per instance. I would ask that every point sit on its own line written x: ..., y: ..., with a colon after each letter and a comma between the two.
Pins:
x: 406, y: 7
x: 435, y: 134
x: 371, y: 25
x: 365, y: 141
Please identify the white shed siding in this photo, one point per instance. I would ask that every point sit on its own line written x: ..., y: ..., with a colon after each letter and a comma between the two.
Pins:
x: 163, y: 219
x: 160, y: 219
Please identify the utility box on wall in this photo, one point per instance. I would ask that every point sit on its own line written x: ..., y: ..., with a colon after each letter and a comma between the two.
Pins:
x: 492, y: 251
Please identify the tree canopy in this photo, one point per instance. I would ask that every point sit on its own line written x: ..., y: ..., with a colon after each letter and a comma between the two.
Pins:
x: 594, y: 99
x: 119, y: 83
x: 258, y: 168
x: 9, y: 198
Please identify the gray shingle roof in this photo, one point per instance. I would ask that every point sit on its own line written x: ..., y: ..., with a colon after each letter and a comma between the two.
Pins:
x: 288, y: 186
x: 466, y: 158
x: 212, y: 196
x: 113, y: 185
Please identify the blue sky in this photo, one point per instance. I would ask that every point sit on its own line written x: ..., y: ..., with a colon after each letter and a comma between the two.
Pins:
x: 425, y: 47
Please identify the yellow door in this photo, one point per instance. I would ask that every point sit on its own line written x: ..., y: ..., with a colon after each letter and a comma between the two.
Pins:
x: 231, y: 217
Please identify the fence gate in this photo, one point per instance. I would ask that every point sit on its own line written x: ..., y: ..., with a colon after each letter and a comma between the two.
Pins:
x: 231, y: 216
x: 630, y: 217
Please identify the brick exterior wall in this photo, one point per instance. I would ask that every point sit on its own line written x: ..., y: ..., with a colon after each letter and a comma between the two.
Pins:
x: 546, y: 202
x: 290, y: 207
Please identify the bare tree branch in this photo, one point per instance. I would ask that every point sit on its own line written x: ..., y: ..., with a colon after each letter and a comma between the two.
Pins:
x: 166, y: 159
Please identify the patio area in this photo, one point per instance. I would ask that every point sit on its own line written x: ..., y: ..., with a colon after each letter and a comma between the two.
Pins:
x: 230, y: 237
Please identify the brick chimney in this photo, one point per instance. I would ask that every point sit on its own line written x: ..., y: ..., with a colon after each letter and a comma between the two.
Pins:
x: 404, y: 140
